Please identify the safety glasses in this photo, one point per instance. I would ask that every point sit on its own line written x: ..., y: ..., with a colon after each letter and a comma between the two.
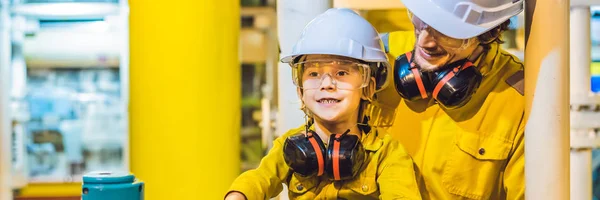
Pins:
x: 446, y: 42
x: 344, y: 74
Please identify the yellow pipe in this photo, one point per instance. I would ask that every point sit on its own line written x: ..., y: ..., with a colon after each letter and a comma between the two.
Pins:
x: 547, y: 100
x: 185, y: 97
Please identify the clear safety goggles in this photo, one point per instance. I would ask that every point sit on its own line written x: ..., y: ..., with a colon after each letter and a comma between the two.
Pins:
x: 344, y: 74
x: 446, y: 42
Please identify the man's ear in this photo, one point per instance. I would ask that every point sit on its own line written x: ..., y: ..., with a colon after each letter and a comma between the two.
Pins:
x: 369, y: 91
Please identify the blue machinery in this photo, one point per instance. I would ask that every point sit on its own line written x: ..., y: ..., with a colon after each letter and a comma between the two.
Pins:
x: 113, y: 186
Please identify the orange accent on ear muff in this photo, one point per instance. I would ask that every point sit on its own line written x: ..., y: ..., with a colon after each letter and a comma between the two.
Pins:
x: 439, y: 86
x: 419, y: 81
x: 318, y: 151
x: 467, y: 65
x: 336, y: 158
x: 446, y: 78
x: 417, y: 74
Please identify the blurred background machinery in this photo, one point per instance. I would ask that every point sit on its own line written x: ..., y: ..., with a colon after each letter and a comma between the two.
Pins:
x: 259, y: 58
x: 68, y: 92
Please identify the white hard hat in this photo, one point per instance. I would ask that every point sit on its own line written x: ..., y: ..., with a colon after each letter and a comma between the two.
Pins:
x: 342, y: 32
x: 464, y: 19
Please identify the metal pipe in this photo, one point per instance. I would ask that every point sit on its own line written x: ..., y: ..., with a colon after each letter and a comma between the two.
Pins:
x: 580, y: 53
x: 269, y: 89
x: 581, y: 154
x: 583, y: 138
x: 18, y: 90
x: 124, y: 76
x: 180, y: 122
x: 547, y: 100
x: 581, y: 174
x: 5, y: 126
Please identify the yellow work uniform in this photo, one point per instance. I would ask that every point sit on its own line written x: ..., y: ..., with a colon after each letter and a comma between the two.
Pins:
x: 387, y: 174
x: 473, y: 152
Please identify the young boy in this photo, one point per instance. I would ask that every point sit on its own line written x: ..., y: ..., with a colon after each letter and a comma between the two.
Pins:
x: 338, y: 65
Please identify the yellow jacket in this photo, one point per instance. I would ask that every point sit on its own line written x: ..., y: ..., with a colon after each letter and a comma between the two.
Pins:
x: 388, y: 174
x: 476, y: 151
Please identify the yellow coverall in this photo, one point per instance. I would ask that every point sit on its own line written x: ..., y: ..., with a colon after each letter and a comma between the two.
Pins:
x: 473, y: 152
x: 388, y: 174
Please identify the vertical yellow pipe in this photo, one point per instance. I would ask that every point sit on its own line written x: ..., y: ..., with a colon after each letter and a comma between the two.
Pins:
x: 185, y: 97
x: 547, y: 100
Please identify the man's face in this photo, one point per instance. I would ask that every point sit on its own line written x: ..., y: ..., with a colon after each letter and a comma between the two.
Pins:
x: 434, y: 50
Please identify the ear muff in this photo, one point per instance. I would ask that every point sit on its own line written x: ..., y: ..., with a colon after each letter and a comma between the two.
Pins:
x: 455, y: 86
x: 452, y: 86
x: 410, y: 82
x: 307, y: 156
x: 345, y: 155
x: 381, y: 73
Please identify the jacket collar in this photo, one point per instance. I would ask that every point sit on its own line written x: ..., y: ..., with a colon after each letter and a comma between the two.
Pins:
x: 370, y: 141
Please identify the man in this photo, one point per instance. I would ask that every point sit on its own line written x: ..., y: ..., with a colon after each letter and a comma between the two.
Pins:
x: 461, y: 115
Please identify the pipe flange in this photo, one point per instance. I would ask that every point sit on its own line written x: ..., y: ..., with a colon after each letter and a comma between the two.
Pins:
x: 584, y: 139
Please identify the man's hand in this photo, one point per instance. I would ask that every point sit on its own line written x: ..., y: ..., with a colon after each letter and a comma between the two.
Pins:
x: 235, y: 196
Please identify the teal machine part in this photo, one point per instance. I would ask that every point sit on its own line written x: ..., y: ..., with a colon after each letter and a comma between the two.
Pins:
x: 113, y: 186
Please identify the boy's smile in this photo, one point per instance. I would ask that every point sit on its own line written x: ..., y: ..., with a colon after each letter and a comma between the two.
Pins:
x: 333, y: 105
x: 328, y: 102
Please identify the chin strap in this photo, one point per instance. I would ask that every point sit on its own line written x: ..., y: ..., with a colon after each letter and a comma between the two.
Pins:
x: 364, y: 125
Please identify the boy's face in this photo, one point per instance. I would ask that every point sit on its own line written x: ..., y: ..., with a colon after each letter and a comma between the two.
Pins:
x: 331, y: 87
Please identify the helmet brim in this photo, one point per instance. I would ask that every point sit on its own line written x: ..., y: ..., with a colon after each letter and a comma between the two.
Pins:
x: 446, y: 22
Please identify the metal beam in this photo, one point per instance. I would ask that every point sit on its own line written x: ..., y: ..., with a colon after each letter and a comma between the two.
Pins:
x: 587, y: 3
